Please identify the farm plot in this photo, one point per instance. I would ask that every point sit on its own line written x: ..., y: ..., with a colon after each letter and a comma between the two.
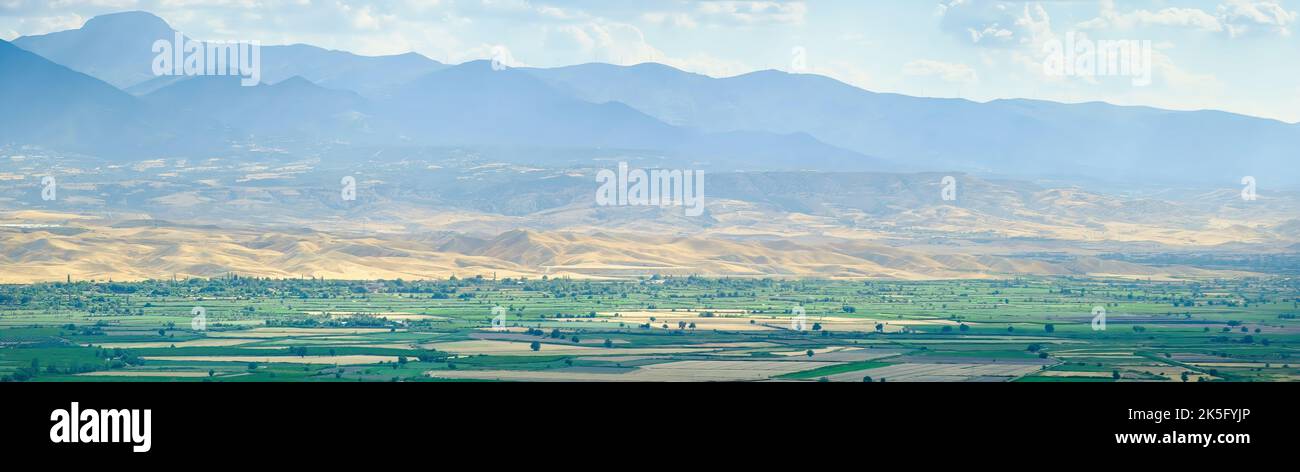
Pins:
x: 519, y: 336
x: 145, y: 373
x: 339, y: 360
x: 762, y: 322
x: 393, y: 316
x: 840, y: 354
x: 1128, y: 372
x: 509, y: 348
x: 292, y: 332
x: 918, y: 372
x: 202, y: 342
x: 680, y: 371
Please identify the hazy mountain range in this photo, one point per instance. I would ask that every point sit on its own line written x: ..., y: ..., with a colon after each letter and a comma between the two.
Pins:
x: 766, y: 120
x: 466, y: 169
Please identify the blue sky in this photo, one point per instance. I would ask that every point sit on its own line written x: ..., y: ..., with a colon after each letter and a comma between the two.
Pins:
x: 1236, y: 55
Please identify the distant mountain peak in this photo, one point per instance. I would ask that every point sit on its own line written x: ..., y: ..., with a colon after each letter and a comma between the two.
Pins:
x: 295, y: 81
x: 133, y: 18
x: 128, y: 21
x: 115, y: 48
x: 475, y: 64
x: 766, y: 73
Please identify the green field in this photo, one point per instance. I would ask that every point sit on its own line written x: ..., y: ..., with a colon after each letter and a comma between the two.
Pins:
x: 672, y: 329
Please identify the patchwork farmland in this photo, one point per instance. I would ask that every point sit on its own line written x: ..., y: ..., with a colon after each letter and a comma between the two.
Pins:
x: 688, y: 329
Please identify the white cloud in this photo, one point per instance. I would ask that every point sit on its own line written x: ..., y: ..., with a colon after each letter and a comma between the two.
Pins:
x: 1245, y: 16
x: 556, y: 13
x: 678, y: 20
x: 1235, y: 17
x: 753, y: 12
x: 364, y: 18
x: 47, y: 24
x: 518, y: 9
x: 1035, y: 26
x: 996, y: 24
x: 602, y: 41
x: 982, y: 22
x: 949, y: 72
x: 1111, y: 18
x: 993, y: 32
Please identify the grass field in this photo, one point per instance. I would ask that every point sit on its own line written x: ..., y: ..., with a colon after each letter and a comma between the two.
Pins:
x: 676, y: 329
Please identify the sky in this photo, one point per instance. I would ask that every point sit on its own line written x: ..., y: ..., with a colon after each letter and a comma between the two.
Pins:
x: 1241, y: 56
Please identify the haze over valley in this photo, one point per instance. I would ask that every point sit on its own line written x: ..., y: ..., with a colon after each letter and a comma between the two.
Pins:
x: 475, y: 169
x: 947, y: 191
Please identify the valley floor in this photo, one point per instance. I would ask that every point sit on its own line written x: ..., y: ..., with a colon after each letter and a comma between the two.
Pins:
x: 660, y: 329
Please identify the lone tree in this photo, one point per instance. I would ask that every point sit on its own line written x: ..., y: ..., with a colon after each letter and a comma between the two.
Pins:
x: 1049, y: 327
x: 866, y: 378
x: 1114, y: 374
x: 535, y: 346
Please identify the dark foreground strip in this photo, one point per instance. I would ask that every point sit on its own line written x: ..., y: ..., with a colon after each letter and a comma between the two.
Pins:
x: 220, y: 422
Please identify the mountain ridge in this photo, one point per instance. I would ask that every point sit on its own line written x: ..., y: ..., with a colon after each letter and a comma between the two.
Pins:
x: 92, y: 116
x: 762, y: 120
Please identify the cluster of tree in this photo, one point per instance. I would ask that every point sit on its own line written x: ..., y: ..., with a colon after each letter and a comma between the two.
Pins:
x: 358, y: 320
